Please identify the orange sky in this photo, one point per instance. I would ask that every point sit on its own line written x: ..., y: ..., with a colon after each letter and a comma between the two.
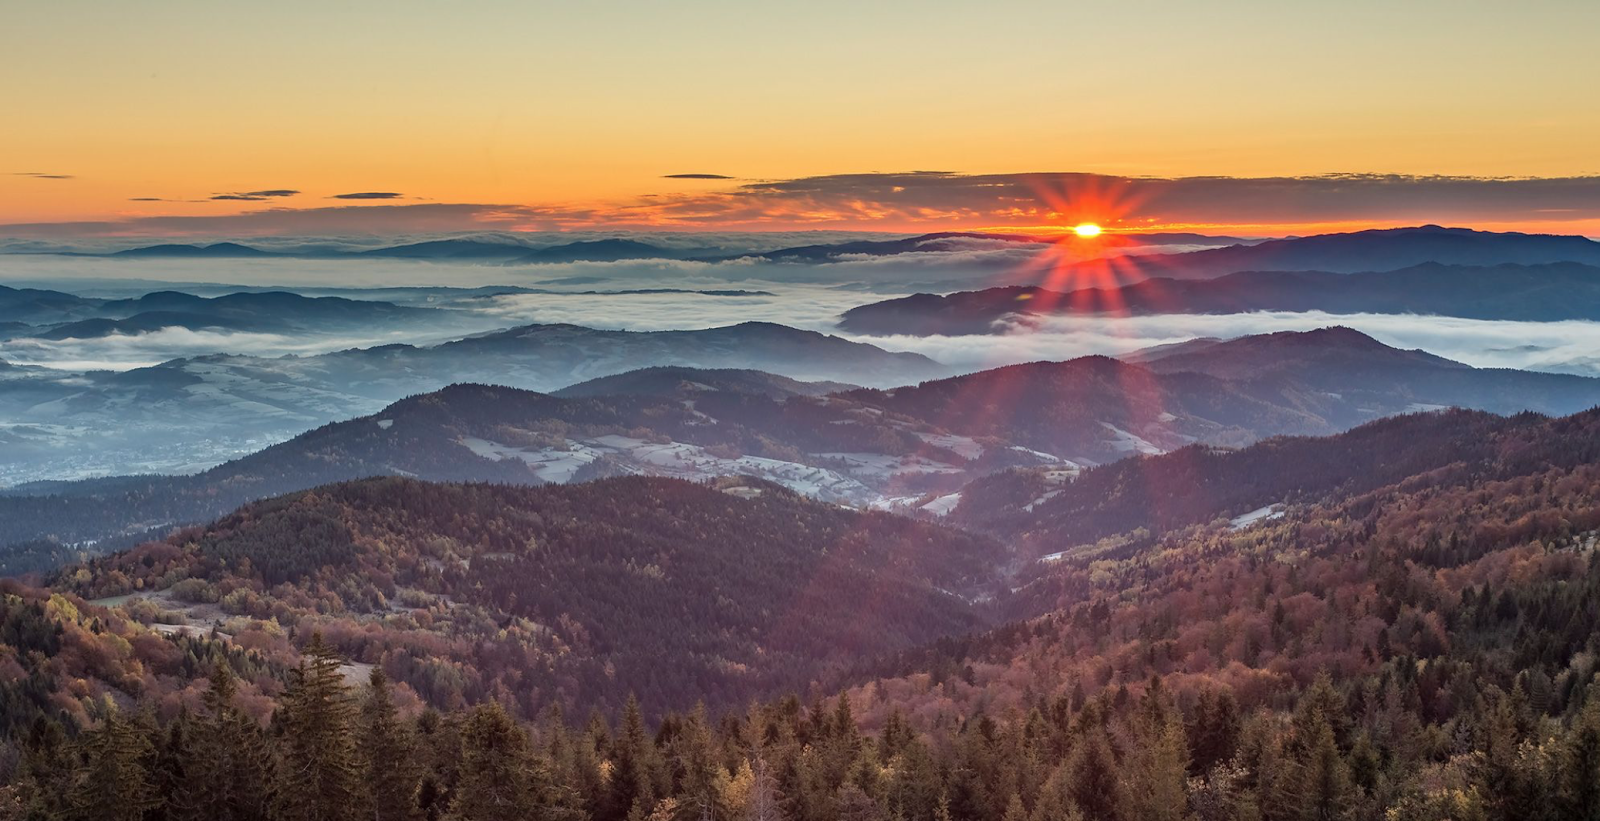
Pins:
x: 152, y: 109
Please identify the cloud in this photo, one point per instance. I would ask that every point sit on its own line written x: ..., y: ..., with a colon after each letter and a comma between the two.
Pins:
x: 799, y: 306
x: 280, y: 221
x: 696, y: 177
x: 39, y: 175
x: 368, y: 195
x: 257, y: 196
x: 1147, y: 202
x: 1563, y: 347
x: 120, y: 352
x: 932, y: 200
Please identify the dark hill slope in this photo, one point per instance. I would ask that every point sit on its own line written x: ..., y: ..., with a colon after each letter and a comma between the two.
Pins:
x: 578, y: 594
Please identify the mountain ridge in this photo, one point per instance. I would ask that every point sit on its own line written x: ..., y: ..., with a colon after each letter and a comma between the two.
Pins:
x: 1539, y: 292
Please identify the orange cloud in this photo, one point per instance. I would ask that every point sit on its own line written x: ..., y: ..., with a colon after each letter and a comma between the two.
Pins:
x: 923, y: 201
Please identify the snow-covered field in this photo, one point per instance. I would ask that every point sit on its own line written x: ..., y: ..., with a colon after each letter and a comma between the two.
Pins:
x: 1260, y: 514
x: 676, y: 459
x: 942, y: 505
x: 883, y: 466
x: 1126, y: 442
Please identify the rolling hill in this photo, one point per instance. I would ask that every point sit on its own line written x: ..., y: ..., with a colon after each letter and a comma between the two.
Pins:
x: 1545, y: 292
x: 1096, y: 409
x: 915, y: 449
x: 1385, y: 249
x: 189, y: 414
x: 571, y: 595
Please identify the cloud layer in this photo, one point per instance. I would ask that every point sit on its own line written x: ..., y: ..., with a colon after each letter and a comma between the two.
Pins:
x: 920, y: 201
x: 1562, y: 347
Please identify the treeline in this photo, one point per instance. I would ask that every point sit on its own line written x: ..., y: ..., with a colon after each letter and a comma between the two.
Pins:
x: 334, y: 751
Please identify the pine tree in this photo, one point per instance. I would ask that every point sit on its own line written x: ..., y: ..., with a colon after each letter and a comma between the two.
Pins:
x: 438, y: 749
x: 894, y: 737
x: 574, y: 763
x: 1319, y: 786
x: 1216, y: 729
x: 633, y: 780
x: 699, y: 776
x: 227, y: 771
x: 115, y: 784
x: 170, y: 771
x: 319, y: 776
x: 1015, y: 811
x: 501, y: 780
x: 1580, y: 765
x: 388, y: 755
x: 854, y: 804
x: 1092, y: 779
x: 1158, y: 766
x: 914, y: 789
x: 47, y: 774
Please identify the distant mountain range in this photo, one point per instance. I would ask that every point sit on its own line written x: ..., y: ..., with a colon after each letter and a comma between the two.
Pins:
x: 191, y: 413
x: 614, y: 249
x: 1376, y: 250
x: 1543, y: 292
x: 56, y: 315
x: 1095, y: 409
x: 215, y: 250
x: 911, y: 448
x: 952, y: 241
x: 670, y: 380
x: 1127, y: 258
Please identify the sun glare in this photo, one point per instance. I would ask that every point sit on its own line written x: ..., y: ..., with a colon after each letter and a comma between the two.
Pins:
x: 1087, y: 229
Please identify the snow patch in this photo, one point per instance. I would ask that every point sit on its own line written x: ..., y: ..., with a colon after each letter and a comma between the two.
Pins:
x: 1045, y: 457
x: 882, y: 466
x: 1125, y: 442
x: 964, y: 446
x: 1041, y: 500
x: 557, y: 465
x: 1260, y: 514
x: 693, y: 462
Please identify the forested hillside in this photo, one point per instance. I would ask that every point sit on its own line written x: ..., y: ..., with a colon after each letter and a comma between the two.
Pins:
x: 910, y: 449
x: 1157, y: 494
x: 1411, y: 637
x: 499, y: 434
x: 572, y: 596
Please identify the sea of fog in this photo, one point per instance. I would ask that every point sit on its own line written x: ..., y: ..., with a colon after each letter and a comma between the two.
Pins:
x: 800, y: 295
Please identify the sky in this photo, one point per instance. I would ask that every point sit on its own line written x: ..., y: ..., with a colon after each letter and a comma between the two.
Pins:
x: 175, y: 118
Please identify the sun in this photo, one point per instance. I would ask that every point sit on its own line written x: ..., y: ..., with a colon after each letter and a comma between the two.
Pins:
x: 1087, y: 229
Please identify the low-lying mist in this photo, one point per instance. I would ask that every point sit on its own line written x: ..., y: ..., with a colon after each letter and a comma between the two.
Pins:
x: 1559, y: 347
x: 809, y: 296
